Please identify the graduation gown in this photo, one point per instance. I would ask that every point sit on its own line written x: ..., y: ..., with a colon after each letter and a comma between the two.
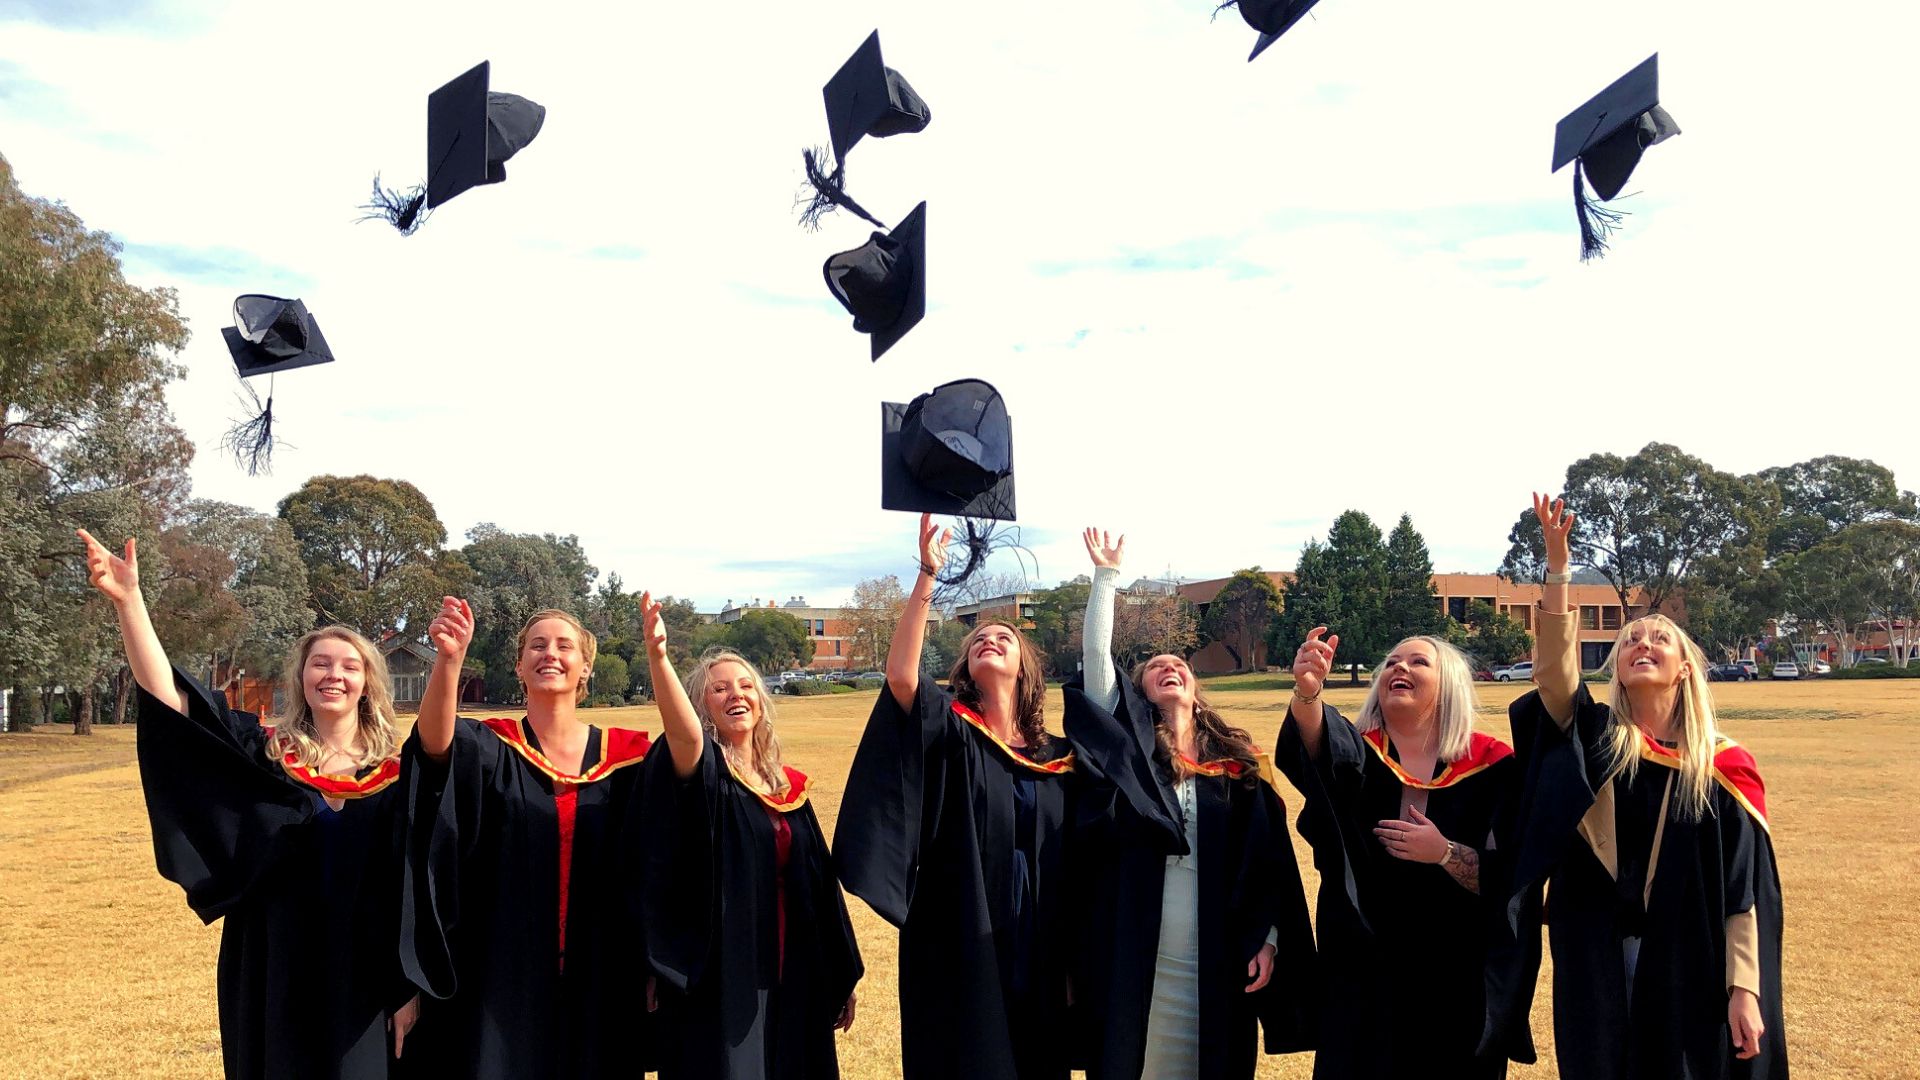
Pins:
x: 514, y: 919
x: 1672, y: 1020
x: 1127, y: 823
x: 1403, y: 946
x: 308, y: 974
x: 960, y: 841
x: 754, y: 950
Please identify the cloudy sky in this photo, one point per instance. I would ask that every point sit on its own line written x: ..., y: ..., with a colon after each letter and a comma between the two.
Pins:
x: 1225, y: 301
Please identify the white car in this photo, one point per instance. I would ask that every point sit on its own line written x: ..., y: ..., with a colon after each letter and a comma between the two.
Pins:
x: 1819, y: 667
x: 1521, y: 672
x: 1786, y: 669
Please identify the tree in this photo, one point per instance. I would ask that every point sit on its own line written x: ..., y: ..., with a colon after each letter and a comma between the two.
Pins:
x: 1241, y: 614
x: 688, y: 635
x: 771, y: 639
x: 1408, y: 606
x: 372, y: 549
x: 1892, y: 551
x: 1820, y: 497
x: 610, y: 677
x: 870, y: 615
x: 1493, y: 636
x: 942, y: 649
x: 1150, y: 624
x: 1647, y: 522
x: 511, y: 576
x: 1059, y: 617
x: 1830, y: 587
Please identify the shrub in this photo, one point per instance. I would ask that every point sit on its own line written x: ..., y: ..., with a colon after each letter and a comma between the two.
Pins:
x: 1875, y: 671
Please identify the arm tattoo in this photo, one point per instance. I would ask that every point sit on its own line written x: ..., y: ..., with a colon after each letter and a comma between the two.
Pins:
x: 1465, y: 867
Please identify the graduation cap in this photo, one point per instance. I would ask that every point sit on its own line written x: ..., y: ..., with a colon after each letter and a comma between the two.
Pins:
x: 1271, y: 17
x: 471, y: 133
x: 950, y: 451
x: 1605, y: 138
x: 865, y: 97
x: 883, y: 282
x: 270, y: 334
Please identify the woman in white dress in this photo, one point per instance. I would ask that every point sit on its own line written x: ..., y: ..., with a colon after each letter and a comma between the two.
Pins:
x: 1195, y: 922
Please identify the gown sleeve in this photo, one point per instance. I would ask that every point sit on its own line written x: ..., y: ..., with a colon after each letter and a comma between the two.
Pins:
x: 895, y: 789
x: 445, y: 803
x: 219, y: 809
x: 1329, y: 783
x: 679, y: 883
x: 1287, y: 1004
x: 1114, y: 750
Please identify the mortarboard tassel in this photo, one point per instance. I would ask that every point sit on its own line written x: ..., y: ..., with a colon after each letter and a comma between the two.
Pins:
x: 829, y: 192
x: 251, y: 441
x: 980, y: 539
x: 405, y: 210
x: 1596, y: 222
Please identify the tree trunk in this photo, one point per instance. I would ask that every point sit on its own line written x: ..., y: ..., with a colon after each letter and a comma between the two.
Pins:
x: 122, y: 693
x: 83, y: 716
x: 1353, y: 673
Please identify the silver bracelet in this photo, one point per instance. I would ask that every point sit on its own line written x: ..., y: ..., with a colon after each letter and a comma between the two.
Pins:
x: 1562, y: 578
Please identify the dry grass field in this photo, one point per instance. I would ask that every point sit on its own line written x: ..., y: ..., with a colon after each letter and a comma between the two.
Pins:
x: 105, y: 973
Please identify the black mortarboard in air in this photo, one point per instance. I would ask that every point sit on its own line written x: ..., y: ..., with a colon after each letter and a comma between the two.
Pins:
x: 1271, y: 17
x: 883, y: 282
x: 1605, y: 138
x: 270, y: 334
x: 865, y: 97
x: 471, y: 132
x: 950, y: 451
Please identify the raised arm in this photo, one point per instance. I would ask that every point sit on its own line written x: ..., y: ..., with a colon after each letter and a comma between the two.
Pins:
x: 1310, y: 667
x: 903, y: 656
x: 1096, y: 636
x: 1556, y: 653
x: 451, y: 633
x: 118, y: 579
x: 678, y: 720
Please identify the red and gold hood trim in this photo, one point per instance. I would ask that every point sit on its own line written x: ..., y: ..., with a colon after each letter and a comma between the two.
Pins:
x: 1733, y: 769
x: 1057, y: 767
x: 339, y: 786
x: 1483, y: 752
x: 619, y: 747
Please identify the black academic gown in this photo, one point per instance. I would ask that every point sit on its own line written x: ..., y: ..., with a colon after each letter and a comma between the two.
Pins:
x: 483, y: 931
x: 960, y: 841
x: 1126, y: 825
x: 748, y: 991
x: 1674, y: 1021
x: 308, y: 974
x: 1403, y: 946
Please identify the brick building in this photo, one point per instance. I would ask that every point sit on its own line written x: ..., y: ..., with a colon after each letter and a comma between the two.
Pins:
x: 832, y: 632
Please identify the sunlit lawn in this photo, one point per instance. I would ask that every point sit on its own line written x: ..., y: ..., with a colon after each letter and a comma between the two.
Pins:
x: 104, y: 972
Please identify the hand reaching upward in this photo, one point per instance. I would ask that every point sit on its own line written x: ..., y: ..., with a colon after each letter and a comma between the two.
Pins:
x: 653, y: 627
x: 1312, y: 663
x: 933, y: 546
x: 116, y: 576
x: 1105, y: 552
x: 452, y: 630
x: 1556, y: 525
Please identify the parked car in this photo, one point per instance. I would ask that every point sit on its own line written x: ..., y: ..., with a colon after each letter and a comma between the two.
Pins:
x: 1786, y: 669
x: 1868, y: 660
x: 1729, y: 673
x: 1752, y: 667
x: 1483, y: 674
x: 1521, y: 672
x: 1819, y: 667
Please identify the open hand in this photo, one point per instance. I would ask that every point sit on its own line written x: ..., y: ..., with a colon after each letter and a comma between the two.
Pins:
x: 1260, y: 968
x: 844, y: 1022
x: 653, y: 628
x: 1556, y: 523
x: 117, y: 577
x: 402, y: 1021
x: 1418, y: 840
x: 452, y: 630
x: 1103, y: 550
x: 1744, y: 1023
x: 1312, y: 663
x: 933, y: 546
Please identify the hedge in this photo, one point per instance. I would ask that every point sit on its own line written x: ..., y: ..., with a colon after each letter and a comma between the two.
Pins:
x: 816, y: 687
x: 1874, y: 671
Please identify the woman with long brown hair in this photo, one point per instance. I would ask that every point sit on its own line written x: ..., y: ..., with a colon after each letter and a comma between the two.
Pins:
x: 288, y: 828
x: 1402, y: 806
x: 1651, y: 826
x: 745, y: 922
x: 953, y: 829
x: 518, y: 907
x: 1195, y: 931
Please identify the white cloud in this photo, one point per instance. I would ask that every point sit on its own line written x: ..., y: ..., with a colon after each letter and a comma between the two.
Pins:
x: 1225, y: 300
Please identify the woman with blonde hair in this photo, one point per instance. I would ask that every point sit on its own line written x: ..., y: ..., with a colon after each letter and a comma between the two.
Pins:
x: 953, y: 829
x: 1194, y: 917
x: 745, y: 922
x: 1652, y: 827
x: 1401, y: 812
x: 518, y: 907
x: 289, y: 829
